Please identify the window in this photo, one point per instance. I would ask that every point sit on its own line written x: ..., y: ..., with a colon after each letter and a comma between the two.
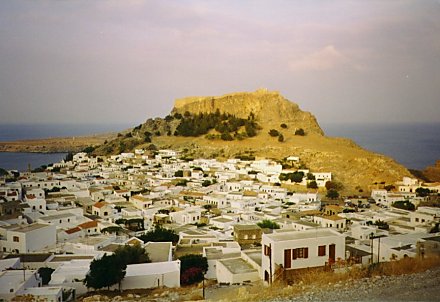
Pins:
x: 321, y: 250
x: 16, y: 239
x: 302, y: 252
x: 266, y: 250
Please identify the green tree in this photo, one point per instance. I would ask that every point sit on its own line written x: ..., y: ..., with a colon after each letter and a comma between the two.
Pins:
x: 160, y: 234
x: 192, y: 268
x: 296, y: 176
x: 422, y: 192
x: 206, y: 183
x: 268, y: 224
x: 178, y: 173
x: 404, y: 205
x: 3, y: 172
x: 332, y: 194
x: 389, y: 187
x: 132, y: 254
x: 68, y: 157
x: 312, y: 185
x: 284, y: 126
x: 310, y: 176
x: 280, y: 138
x: 105, y: 272
x: 45, y: 274
x: 273, y: 132
x: 333, y: 185
x: 300, y: 132
x: 89, y: 149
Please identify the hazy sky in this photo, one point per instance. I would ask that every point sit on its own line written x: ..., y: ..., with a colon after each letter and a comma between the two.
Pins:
x: 126, y: 61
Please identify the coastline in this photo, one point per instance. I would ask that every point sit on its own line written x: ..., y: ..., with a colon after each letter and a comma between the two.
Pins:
x: 55, y: 144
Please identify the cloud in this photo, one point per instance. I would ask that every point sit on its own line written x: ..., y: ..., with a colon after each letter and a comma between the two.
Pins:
x: 326, y: 58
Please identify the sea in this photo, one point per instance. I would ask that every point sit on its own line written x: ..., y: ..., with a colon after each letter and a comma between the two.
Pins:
x: 22, y: 161
x: 415, y: 146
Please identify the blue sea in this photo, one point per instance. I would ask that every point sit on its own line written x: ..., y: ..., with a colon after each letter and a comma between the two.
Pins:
x: 416, y: 146
x: 21, y: 161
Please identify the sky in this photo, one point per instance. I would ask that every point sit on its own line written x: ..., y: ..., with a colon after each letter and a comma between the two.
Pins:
x: 127, y: 61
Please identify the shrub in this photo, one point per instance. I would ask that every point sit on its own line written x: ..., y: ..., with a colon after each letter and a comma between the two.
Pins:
x: 284, y: 126
x: 332, y: 194
x: 312, y: 185
x: 192, y: 268
x: 404, y: 205
x: 273, y: 132
x: 268, y: 224
x: 300, y: 132
x: 280, y: 138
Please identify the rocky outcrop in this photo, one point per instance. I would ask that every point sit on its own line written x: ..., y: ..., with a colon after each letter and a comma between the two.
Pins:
x: 269, y: 107
x: 433, y: 172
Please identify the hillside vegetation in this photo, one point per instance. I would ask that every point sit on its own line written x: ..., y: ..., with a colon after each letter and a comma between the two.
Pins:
x: 244, y: 125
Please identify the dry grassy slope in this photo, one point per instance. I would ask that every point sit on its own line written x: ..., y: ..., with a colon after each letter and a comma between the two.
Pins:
x: 351, y: 165
x: 433, y: 172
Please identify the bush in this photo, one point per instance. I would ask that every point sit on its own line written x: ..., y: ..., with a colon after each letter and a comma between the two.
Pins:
x: 280, y: 138
x: 404, y: 205
x: 422, y: 192
x: 300, y: 132
x: 192, y: 268
x: 284, y: 126
x: 268, y: 224
x: 273, y: 132
x: 160, y: 234
x: 312, y: 185
x: 332, y: 194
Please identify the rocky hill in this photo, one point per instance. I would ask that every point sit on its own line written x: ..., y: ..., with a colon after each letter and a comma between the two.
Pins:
x: 269, y: 107
x: 433, y: 172
x: 358, y: 169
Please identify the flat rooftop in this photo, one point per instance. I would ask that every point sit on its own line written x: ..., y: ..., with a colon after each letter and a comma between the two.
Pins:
x: 30, y: 227
x: 237, y: 266
x: 298, y: 235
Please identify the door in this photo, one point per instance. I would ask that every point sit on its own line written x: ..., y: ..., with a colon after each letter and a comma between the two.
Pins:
x: 332, y: 253
x: 287, y: 258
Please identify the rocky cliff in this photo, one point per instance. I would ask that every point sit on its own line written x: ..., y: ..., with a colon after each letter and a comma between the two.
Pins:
x: 269, y: 107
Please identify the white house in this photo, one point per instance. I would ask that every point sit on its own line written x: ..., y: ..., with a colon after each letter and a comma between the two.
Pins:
x: 333, y: 221
x: 27, y: 238
x: 15, y: 282
x: 235, y: 271
x: 151, y: 275
x: 293, y: 250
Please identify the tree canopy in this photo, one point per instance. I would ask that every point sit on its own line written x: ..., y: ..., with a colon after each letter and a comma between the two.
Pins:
x: 300, y: 132
x: 312, y: 185
x: 293, y: 177
x: 332, y: 194
x: 105, y: 272
x: 192, y: 268
x: 160, y: 234
x: 224, y: 123
x: 110, y: 270
x: 422, y: 192
x: 268, y: 224
x: 404, y: 205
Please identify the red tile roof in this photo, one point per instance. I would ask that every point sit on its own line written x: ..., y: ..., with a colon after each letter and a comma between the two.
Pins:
x: 73, y: 230
x: 100, y: 204
x: 89, y: 224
